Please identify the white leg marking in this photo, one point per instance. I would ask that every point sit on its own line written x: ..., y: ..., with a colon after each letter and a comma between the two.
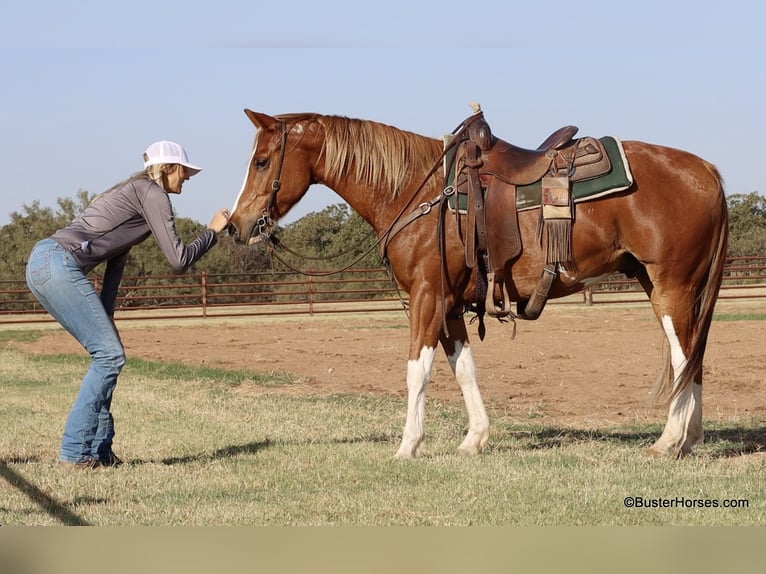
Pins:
x: 464, y: 367
x: 418, y: 374
x: 684, y: 425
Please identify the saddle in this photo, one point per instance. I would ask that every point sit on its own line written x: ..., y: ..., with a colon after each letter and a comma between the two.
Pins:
x: 488, y: 171
x: 584, y: 158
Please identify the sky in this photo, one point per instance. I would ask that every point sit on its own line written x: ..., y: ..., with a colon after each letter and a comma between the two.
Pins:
x: 87, y: 86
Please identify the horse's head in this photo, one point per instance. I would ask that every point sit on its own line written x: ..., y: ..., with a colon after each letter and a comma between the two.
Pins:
x: 278, y: 175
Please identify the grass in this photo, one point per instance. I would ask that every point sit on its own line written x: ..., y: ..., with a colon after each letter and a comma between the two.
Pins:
x: 739, y: 317
x: 22, y: 336
x: 201, y: 448
x: 739, y: 310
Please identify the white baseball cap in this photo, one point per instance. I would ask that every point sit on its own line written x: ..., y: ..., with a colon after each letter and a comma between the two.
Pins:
x: 165, y: 152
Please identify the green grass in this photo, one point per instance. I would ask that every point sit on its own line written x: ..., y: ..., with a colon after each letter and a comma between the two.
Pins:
x: 20, y: 335
x: 739, y: 317
x: 207, y: 446
x: 176, y: 371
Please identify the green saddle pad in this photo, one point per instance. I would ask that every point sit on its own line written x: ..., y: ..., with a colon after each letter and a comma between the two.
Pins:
x: 617, y: 179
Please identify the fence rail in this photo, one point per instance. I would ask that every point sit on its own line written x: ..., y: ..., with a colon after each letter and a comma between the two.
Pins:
x: 360, y: 290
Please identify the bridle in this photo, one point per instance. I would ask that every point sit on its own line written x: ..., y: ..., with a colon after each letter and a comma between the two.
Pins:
x: 265, y: 222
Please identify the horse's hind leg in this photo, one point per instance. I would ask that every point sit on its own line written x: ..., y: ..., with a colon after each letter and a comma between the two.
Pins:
x: 683, y: 428
x: 675, y: 311
x: 460, y: 358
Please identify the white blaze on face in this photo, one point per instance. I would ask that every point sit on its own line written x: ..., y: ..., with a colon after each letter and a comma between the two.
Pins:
x: 244, y: 183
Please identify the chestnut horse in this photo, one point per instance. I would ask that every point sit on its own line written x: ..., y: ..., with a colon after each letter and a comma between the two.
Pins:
x: 669, y: 230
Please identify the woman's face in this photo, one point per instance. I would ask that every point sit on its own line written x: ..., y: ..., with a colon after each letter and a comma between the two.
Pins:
x: 175, y: 178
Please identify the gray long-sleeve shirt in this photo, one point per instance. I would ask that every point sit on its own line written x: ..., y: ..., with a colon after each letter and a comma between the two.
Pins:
x: 121, y: 218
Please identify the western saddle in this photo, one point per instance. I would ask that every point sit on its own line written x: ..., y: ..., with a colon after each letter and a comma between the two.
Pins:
x: 487, y: 171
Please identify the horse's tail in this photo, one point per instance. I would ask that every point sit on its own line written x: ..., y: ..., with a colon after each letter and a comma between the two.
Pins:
x: 707, y: 294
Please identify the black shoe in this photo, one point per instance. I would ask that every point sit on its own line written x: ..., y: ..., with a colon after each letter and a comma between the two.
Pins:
x: 88, y: 463
x: 110, y: 460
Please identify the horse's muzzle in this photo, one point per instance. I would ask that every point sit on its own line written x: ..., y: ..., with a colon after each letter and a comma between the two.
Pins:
x: 256, y: 233
x: 233, y: 231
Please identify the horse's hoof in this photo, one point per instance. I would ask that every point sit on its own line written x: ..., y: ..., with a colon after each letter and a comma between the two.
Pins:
x: 405, y: 454
x: 677, y: 453
x: 469, y: 450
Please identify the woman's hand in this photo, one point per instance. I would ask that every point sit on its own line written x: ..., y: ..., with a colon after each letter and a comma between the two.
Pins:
x: 220, y: 221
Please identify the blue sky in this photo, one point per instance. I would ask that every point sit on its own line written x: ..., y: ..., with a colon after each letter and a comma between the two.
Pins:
x: 86, y: 86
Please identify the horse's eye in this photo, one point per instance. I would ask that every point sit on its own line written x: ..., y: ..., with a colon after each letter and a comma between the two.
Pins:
x: 261, y: 163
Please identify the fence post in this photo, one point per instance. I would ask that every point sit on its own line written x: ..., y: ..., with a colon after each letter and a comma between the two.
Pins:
x: 203, y: 279
x: 588, y: 296
x: 311, y: 294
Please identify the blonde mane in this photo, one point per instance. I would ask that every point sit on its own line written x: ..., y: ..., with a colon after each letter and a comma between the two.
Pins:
x: 376, y: 155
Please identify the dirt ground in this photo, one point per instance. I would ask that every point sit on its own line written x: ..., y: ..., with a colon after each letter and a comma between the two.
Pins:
x: 575, y: 365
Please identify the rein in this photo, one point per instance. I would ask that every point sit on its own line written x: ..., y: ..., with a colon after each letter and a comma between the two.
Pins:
x: 265, y: 222
x: 273, y: 244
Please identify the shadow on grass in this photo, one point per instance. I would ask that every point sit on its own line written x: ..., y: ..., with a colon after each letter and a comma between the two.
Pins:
x: 255, y: 447
x: 227, y: 452
x: 723, y: 442
x: 50, y: 505
x: 729, y: 442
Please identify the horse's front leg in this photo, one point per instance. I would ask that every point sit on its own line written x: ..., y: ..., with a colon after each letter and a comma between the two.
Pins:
x: 425, y: 325
x: 460, y: 357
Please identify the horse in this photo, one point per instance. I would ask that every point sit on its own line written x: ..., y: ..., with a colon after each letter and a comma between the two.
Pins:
x: 668, y: 229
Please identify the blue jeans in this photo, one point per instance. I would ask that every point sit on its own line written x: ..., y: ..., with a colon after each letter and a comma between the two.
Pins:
x: 55, y: 278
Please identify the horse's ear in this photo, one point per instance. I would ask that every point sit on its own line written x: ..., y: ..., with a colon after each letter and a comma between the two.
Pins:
x: 261, y: 121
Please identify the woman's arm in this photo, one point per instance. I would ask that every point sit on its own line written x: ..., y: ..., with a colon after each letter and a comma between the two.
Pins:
x: 112, y: 277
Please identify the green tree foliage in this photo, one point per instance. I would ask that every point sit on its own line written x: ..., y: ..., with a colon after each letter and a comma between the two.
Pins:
x: 747, y: 224
x: 35, y: 222
x: 336, y: 235
x: 27, y: 227
x: 147, y: 259
x: 327, y: 243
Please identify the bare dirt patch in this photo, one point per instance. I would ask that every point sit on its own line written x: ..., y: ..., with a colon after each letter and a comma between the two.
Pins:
x: 575, y: 365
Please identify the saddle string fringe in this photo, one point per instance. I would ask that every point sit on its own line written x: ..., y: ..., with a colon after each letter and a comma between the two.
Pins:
x: 558, y: 248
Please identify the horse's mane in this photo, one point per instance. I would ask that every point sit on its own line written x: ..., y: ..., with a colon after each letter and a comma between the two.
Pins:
x: 380, y: 156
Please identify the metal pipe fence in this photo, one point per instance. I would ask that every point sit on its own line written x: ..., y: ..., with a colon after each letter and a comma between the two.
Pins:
x: 204, y: 295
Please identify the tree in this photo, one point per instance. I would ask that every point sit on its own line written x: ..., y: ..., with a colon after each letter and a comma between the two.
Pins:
x: 747, y: 224
x: 242, y: 258
x: 32, y: 224
x: 147, y: 259
x: 336, y: 234
x: 334, y: 237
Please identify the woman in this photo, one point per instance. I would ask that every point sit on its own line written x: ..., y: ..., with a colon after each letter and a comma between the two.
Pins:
x: 57, y: 269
